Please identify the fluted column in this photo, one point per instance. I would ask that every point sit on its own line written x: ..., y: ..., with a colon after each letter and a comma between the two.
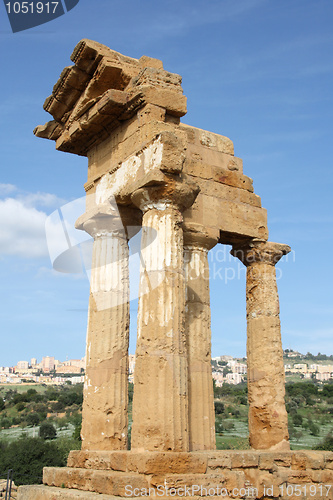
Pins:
x: 268, y: 422
x: 160, y: 403
x: 105, y: 421
x: 198, y: 338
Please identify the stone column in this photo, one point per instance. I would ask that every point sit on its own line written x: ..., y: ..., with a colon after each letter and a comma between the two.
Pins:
x: 268, y: 422
x: 104, y: 413
x: 160, y: 403
x: 198, y: 339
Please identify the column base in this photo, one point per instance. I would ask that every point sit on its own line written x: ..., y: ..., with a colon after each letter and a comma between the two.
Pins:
x: 222, y: 474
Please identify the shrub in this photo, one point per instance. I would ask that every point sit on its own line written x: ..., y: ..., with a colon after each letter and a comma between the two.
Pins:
x: 47, y: 431
x: 33, y: 419
x: 297, y: 419
x: 27, y: 457
x: 219, y: 407
x: 326, y: 444
x: 313, y: 428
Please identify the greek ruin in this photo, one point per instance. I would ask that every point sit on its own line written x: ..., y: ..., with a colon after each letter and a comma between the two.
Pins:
x: 186, y: 191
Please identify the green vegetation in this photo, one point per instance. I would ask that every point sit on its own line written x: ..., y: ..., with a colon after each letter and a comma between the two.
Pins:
x: 47, y: 431
x: 40, y: 425
x: 27, y: 457
x: 29, y: 408
x: 309, y: 406
x: 38, y: 428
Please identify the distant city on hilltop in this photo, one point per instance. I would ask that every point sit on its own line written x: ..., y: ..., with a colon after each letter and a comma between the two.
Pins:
x: 225, y: 369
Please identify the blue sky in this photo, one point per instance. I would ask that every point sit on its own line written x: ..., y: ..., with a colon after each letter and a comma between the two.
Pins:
x: 257, y: 71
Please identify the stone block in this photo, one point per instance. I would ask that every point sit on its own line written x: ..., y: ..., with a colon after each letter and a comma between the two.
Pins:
x: 219, y: 460
x: 150, y: 112
x: 50, y: 493
x: 238, y: 218
x: 99, y: 460
x: 270, y: 460
x: 168, y: 462
x: 56, y: 108
x: 207, y: 139
x: 232, y: 179
x: 314, y: 459
x: 302, y: 476
x: 99, y: 481
x: 200, y: 484
x: 328, y: 456
x: 261, y: 481
x: 226, y: 192
x: 150, y: 62
x: 307, y: 459
x: 203, y: 163
x: 244, y: 459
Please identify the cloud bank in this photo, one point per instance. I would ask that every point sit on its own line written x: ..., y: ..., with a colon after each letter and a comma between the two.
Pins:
x: 22, y: 221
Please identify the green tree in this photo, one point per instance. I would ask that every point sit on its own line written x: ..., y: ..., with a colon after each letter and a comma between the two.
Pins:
x: 5, y: 423
x: 130, y: 392
x: 297, y: 419
x: 326, y: 444
x: 27, y: 457
x: 77, y: 432
x: 219, y: 407
x: 47, y: 431
x: 219, y: 428
x: 20, y: 406
x: 33, y: 419
x: 313, y: 428
x: 328, y: 390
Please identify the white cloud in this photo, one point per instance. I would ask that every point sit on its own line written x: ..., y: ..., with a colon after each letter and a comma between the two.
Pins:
x: 40, y: 199
x: 22, y: 230
x: 22, y: 221
x: 7, y: 189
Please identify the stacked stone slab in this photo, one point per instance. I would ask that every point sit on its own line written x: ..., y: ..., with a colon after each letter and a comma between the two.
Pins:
x: 187, y: 191
x: 213, y: 474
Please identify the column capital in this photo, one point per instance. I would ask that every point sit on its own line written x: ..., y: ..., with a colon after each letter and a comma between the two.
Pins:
x: 108, y: 219
x: 174, y: 193
x: 257, y: 251
x: 196, y: 236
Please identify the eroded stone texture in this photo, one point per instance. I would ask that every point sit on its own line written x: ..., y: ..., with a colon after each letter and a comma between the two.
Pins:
x: 198, y: 339
x: 260, y: 475
x: 104, y: 414
x: 160, y: 402
x: 123, y: 114
x: 268, y: 421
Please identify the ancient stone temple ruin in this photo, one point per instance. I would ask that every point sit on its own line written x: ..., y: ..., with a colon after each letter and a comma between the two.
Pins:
x: 186, y: 190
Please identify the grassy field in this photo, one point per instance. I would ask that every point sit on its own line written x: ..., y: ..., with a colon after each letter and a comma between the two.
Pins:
x: 16, y: 432
x: 41, y: 388
x: 238, y: 438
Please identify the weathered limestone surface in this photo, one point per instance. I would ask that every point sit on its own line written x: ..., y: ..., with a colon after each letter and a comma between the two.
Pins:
x: 198, y: 338
x: 52, y: 493
x: 105, y: 420
x: 268, y: 421
x: 123, y: 114
x: 160, y: 414
x: 218, y: 474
